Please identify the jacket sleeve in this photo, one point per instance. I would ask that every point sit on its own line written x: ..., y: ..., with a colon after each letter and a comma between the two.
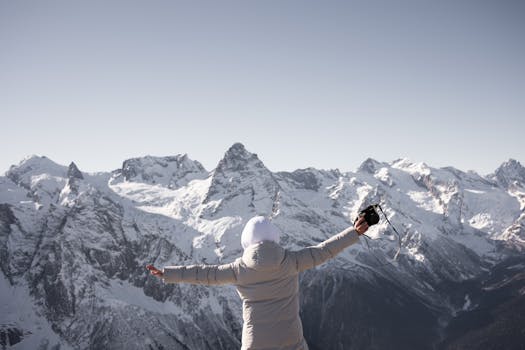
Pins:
x: 310, y: 257
x: 201, y: 274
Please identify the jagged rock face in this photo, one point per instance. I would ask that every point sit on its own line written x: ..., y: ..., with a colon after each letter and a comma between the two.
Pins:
x: 10, y: 336
x: 241, y: 182
x: 73, y: 247
x: 73, y: 172
x: 307, y: 179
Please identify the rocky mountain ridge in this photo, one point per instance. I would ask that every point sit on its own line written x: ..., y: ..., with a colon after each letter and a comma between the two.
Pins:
x: 73, y: 246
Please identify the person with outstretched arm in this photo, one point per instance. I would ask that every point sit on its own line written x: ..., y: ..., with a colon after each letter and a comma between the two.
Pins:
x: 266, y: 278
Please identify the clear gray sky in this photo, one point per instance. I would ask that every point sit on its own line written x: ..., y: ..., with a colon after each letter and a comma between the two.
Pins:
x: 301, y: 83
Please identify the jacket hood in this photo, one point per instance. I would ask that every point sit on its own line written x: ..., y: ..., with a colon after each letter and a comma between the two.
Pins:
x: 264, y: 256
x: 259, y: 229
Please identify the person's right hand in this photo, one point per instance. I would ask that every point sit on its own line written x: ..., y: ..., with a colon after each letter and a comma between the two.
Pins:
x: 361, y: 225
x: 154, y: 271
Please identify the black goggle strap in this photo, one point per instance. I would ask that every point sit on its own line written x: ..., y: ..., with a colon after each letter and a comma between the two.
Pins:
x: 393, y: 228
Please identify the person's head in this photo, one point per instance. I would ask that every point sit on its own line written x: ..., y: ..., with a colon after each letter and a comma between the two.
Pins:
x: 259, y: 229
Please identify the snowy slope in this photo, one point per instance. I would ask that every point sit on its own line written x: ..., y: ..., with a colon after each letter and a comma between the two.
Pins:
x: 74, y: 245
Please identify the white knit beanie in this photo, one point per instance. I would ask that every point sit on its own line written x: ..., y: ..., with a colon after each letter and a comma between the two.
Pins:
x: 259, y: 229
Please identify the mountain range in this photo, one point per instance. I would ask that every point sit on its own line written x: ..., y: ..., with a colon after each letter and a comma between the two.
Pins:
x: 73, y: 247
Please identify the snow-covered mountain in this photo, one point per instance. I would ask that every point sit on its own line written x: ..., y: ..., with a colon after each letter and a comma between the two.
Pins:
x: 73, y: 246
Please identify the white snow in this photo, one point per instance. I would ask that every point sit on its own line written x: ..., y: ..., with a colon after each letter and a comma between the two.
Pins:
x: 426, y: 205
x: 481, y: 221
x: 426, y: 201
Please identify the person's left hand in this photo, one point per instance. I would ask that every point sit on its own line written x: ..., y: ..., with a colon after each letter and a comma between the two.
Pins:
x: 154, y: 271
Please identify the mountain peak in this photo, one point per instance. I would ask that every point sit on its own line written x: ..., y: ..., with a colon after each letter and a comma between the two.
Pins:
x: 509, y: 173
x: 238, y: 146
x: 73, y: 172
x: 370, y: 166
x: 168, y: 171
x: 237, y: 150
x: 35, y: 161
x: 241, y: 180
x: 34, y: 165
x: 511, y: 164
x: 237, y: 158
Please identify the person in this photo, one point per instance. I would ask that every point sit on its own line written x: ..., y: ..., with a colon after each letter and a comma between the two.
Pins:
x: 266, y: 278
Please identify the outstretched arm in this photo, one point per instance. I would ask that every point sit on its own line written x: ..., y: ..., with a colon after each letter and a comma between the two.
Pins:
x: 197, y: 274
x: 310, y: 257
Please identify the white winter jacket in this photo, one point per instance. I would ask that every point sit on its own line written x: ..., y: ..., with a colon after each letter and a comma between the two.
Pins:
x: 266, y: 277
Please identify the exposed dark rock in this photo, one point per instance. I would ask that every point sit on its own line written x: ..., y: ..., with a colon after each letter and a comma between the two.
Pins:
x: 73, y: 172
x: 10, y: 335
x: 340, y: 311
x: 303, y: 179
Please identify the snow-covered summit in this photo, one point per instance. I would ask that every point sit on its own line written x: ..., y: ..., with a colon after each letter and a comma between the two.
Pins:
x: 171, y: 171
x: 34, y: 166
